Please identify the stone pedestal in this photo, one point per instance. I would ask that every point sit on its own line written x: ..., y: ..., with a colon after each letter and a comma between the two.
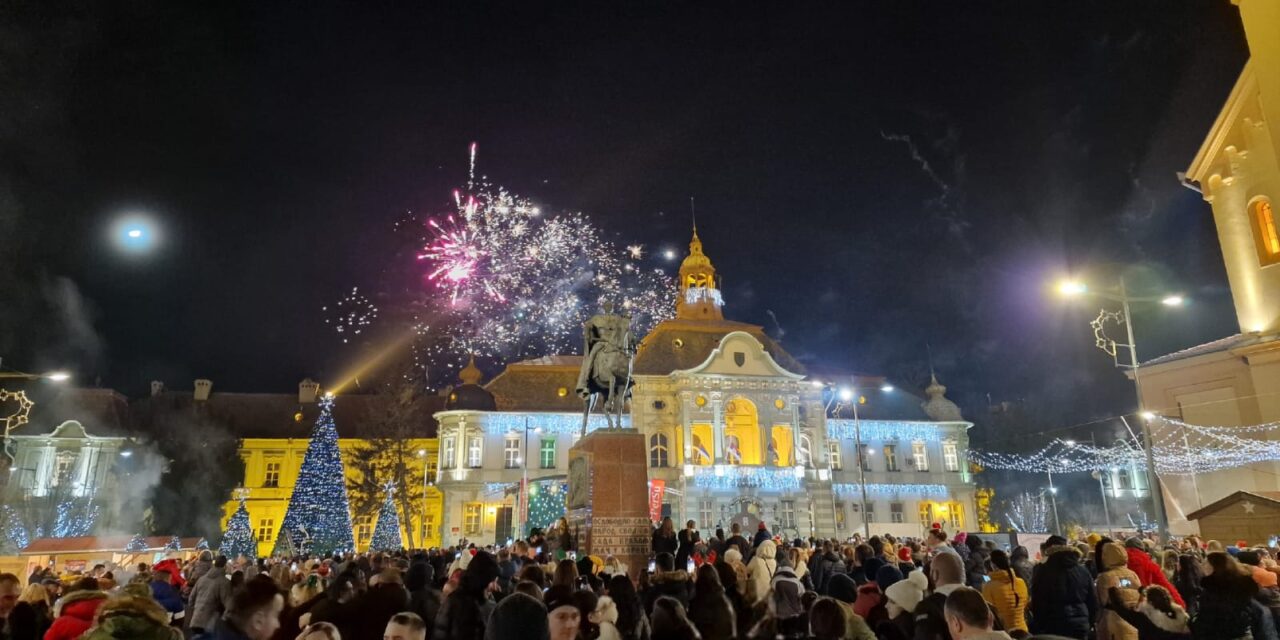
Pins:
x: 608, y: 501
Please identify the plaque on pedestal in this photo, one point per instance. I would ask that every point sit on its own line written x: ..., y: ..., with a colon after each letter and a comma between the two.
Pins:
x: 608, y: 501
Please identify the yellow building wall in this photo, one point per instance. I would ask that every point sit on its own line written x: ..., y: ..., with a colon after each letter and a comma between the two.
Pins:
x: 267, y: 504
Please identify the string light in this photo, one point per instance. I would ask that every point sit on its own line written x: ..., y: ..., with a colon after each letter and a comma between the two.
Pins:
x: 136, y: 544
x: 923, y: 490
x: 238, y: 540
x: 551, y: 423
x: 884, y: 430
x: 736, y: 477
x: 318, y: 519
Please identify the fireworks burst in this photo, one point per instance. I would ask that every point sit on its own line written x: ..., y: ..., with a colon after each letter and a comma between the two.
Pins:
x: 354, y: 314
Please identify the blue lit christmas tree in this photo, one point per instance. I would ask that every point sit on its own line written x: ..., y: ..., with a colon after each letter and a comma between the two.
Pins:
x: 546, y: 503
x: 386, y: 534
x: 318, y: 519
x: 138, y: 543
x: 238, y: 539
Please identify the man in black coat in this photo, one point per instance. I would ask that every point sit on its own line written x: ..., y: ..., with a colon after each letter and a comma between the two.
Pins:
x: 735, y: 537
x: 667, y: 581
x: 1063, y: 602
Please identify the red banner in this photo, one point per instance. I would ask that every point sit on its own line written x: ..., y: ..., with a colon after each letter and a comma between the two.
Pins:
x: 656, y: 489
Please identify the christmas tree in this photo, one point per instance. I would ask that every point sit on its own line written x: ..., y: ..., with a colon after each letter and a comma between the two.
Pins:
x: 175, y: 544
x: 138, y: 543
x: 318, y: 519
x: 238, y: 539
x: 386, y: 534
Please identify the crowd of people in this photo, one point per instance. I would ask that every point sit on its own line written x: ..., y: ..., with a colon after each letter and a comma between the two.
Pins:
x: 725, y: 586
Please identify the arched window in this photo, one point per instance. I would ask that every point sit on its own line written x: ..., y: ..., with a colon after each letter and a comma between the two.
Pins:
x: 658, y: 450
x: 1265, y: 232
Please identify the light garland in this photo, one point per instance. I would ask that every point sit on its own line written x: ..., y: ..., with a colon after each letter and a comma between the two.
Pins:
x: 386, y: 533
x: 546, y: 503
x: 550, y: 423
x: 923, y: 490
x: 136, y: 544
x: 238, y: 540
x: 735, y: 477
x: 318, y: 519
x: 884, y: 430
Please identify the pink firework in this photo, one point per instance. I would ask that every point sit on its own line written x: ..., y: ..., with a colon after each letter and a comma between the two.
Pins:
x: 454, y: 253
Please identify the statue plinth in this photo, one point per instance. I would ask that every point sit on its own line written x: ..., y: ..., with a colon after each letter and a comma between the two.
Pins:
x: 608, y: 501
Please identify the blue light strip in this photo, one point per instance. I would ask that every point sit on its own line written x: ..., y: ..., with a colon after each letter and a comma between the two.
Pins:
x: 551, y: 423
x: 783, y: 479
x: 883, y: 430
x: 924, y: 490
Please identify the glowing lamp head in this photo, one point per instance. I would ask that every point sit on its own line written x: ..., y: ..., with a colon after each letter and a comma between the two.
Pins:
x: 1173, y: 301
x: 886, y: 388
x: 58, y: 376
x: 1069, y: 443
x: 669, y: 254
x: 126, y: 453
x: 846, y: 394
x: 422, y: 452
x: 1148, y: 415
x: 1072, y: 288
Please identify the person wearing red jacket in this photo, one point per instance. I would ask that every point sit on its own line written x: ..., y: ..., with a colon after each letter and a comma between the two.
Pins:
x: 75, y: 613
x: 1148, y: 571
x: 175, y: 572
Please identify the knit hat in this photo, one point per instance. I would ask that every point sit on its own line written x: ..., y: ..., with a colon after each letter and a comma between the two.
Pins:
x: 1093, y: 539
x: 1134, y: 542
x: 904, y: 553
x: 909, y: 592
x: 511, y: 619
x: 483, y: 568
x: 558, y: 596
x: 761, y: 527
x: 841, y: 587
x: 887, y: 575
x: 960, y: 537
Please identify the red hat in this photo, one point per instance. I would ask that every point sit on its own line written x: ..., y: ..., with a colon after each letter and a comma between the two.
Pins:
x: 936, y: 525
x: 761, y: 527
x: 904, y: 554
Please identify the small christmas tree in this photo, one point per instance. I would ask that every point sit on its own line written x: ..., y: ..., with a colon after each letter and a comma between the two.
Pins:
x: 238, y: 539
x: 318, y: 519
x: 138, y: 543
x: 175, y: 544
x: 386, y: 534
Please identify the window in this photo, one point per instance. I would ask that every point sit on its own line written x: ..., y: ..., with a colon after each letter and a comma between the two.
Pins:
x: 272, y: 478
x: 840, y: 516
x: 266, y: 529
x: 787, y: 513
x: 471, y: 518
x: 364, y: 530
x: 62, y: 464
x: 804, y: 457
x: 473, y: 452
x: 1124, y: 481
x: 833, y: 455
x: 705, y: 508
x: 866, y: 457
x: 920, y: 455
x: 891, y: 457
x: 658, y: 450
x: 1264, y: 231
x: 450, y: 455
x: 950, y: 459
x: 511, y: 452
x: 432, y: 467
x: 428, y: 528
x: 547, y: 453
x: 871, y: 512
x: 895, y: 512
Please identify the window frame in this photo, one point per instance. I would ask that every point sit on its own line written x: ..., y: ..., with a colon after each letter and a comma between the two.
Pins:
x: 511, y: 452
x: 265, y: 524
x: 897, y: 513
x: 787, y: 513
x: 864, y: 456
x: 449, y: 452
x: 891, y: 458
x: 467, y: 515
x: 951, y: 455
x: 543, y: 452
x: 271, y: 474
x: 364, y: 530
x: 834, y: 459
x: 1266, y: 231
x: 475, y: 452
x: 659, y: 451
x: 920, y: 454
x: 706, y: 511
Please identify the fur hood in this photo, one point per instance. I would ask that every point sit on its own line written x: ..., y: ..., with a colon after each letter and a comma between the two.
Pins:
x: 69, y: 601
x: 733, y: 555
x: 767, y: 550
x: 1176, y: 624
x: 670, y: 577
x: 1062, y: 556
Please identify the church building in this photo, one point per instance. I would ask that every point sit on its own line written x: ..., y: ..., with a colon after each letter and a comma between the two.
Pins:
x: 736, y: 431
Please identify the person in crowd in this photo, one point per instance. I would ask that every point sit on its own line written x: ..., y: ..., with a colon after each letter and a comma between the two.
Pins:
x: 424, y: 599
x: 1007, y: 593
x: 253, y: 612
x: 1157, y: 618
x: 563, y: 616
x: 1187, y: 581
x: 821, y: 565
x: 517, y: 617
x: 969, y: 618
x: 368, y: 613
x: 670, y: 621
x: 1063, y: 601
x: 465, y: 610
x: 936, y: 541
x: 762, y: 534
x: 1148, y: 571
x: 586, y: 601
x: 533, y: 572
x: 742, y: 610
x: 869, y: 603
x: 605, y: 618
x: 668, y: 580
x: 166, y: 592
x: 306, y: 589
x: 318, y: 631
x: 736, y: 539
x: 946, y: 571
x: 1169, y: 563
x: 710, y: 609
x: 202, y: 564
x: 902, y: 598
x: 1227, y: 605
x: 74, y: 613
x: 785, y: 616
x: 405, y: 626
x: 828, y: 620
x: 1114, y: 573
x: 734, y: 559
x: 33, y: 612
x: 566, y: 574
x: 976, y: 564
x: 760, y: 570
x: 664, y: 538
x: 135, y: 618
x: 1020, y: 558
x: 208, y: 599
x: 716, y: 543
x: 686, y: 540
x: 632, y: 622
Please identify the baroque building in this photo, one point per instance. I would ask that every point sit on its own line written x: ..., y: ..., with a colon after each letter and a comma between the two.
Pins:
x: 735, y: 429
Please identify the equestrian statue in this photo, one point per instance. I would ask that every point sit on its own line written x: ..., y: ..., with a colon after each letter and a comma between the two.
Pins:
x: 606, y: 365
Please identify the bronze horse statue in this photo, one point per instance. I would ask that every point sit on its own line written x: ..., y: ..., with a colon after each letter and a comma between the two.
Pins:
x: 606, y: 365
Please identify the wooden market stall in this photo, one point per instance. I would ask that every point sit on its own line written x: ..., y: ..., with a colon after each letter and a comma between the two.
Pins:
x: 78, y: 555
x: 1251, y: 516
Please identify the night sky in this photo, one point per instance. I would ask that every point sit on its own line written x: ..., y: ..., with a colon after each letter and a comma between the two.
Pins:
x: 886, y: 179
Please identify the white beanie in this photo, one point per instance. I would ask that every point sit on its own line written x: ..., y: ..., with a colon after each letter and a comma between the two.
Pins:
x: 908, y: 592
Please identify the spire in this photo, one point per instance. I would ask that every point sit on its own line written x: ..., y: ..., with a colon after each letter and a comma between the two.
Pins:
x: 471, y: 374
x: 699, y: 297
x: 938, y: 407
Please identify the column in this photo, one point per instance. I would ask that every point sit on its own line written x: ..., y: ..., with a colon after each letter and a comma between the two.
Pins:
x: 717, y: 425
x: 686, y: 410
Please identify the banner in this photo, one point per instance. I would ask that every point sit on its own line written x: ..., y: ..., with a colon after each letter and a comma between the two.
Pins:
x: 656, y: 489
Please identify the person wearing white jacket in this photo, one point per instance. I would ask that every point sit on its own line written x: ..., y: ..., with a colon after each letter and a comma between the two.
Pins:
x: 606, y: 618
x: 760, y: 570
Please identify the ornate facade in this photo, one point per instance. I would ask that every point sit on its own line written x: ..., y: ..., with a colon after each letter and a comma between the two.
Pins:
x: 735, y: 431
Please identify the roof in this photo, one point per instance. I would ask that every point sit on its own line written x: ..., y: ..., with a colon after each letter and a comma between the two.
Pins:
x: 1209, y: 509
x: 887, y: 405
x: 1225, y: 129
x: 45, y: 546
x: 1215, y: 346
x: 102, y: 412
x: 541, y: 384
x: 265, y: 415
x: 677, y: 345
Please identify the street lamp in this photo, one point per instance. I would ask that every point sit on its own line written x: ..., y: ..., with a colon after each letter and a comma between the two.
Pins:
x: 850, y: 396
x: 524, y: 479
x: 1120, y: 294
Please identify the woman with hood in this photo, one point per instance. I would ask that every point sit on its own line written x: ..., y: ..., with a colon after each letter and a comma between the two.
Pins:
x: 74, y: 614
x: 632, y: 623
x: 1187, y: 581
x: 1020, y: 558
x: 464, y: 612
x: 785, y: 617
x: 733, y: 558
x: 1063, y: 601
x: 1113, y: 572
x: 134, y: 618
x: 1227, y: 604
x: 1157, y: 618
x: 670, y: 621
x: 710, y: 609
x: 1006, y: 592
x: 761, y: 571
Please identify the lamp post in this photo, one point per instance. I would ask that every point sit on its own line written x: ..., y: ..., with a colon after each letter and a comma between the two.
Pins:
x: 14, y: 421
x: 422, y: 529
x: 850, y: 396
x: 1098, y: 474
x: 1053, y: 498
x: 1121, y: 295
x: 524, y: 480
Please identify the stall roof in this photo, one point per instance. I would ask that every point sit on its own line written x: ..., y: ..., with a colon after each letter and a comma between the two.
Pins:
x: 48, y: 546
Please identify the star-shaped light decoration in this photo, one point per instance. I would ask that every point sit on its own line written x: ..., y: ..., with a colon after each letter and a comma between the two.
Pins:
x: 1248, y: 506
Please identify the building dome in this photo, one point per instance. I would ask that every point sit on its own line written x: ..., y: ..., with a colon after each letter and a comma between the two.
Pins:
x: 938, y: 407
x: 469, y: 395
